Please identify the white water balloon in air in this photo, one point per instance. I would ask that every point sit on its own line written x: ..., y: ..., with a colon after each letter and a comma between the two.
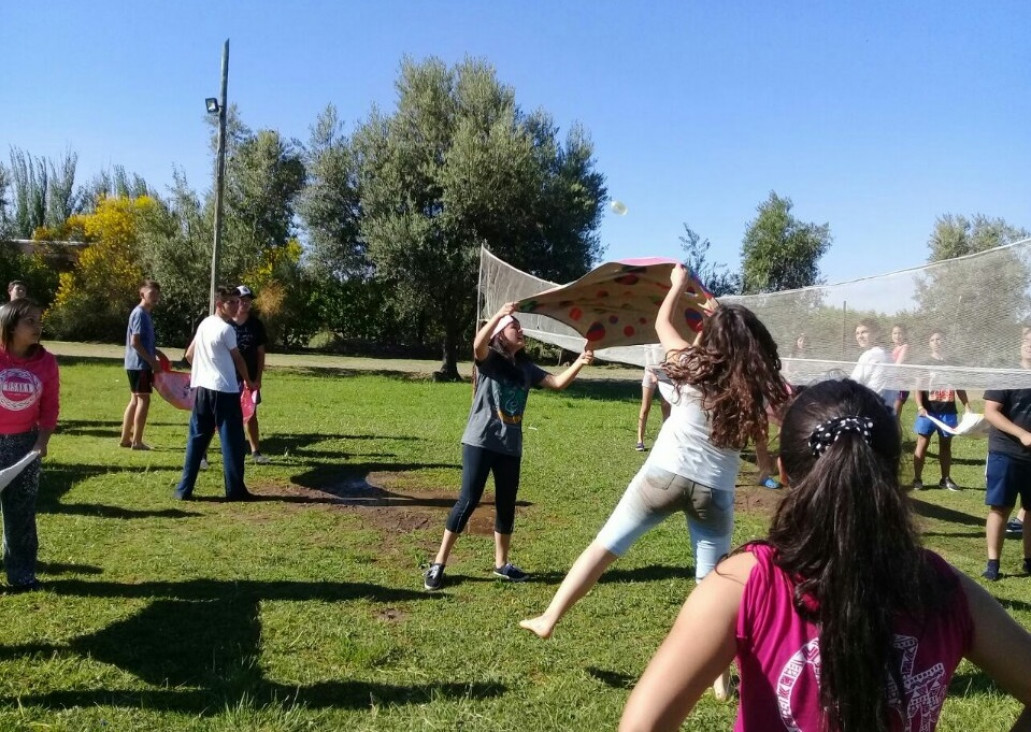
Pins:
x: 618, y: 207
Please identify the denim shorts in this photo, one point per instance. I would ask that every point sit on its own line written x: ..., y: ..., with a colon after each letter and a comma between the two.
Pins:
x: 653, y: 495
x: 925, y: 427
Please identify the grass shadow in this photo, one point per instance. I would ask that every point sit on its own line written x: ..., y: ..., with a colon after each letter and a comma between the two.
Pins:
x: 940, y: 513
x: 612, y: 679
x: 206, y: 634
x: 303, y: 444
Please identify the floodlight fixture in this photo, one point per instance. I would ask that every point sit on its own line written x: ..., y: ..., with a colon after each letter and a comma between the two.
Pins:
x: 212, y: 104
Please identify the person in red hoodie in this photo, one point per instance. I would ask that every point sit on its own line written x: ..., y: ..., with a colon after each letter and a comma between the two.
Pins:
x: 29, y: 399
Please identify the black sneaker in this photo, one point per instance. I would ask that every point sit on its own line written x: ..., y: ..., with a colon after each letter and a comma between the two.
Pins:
x: 1014, y: 528
x: 949, y: 484
x: 918, y: 485
x: 511, y: 572
x: 991, y: 571
x: 1027, y: 565
x: 434, y: 577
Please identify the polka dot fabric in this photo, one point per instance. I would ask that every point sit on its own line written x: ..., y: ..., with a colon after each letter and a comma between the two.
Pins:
x: 616, y: 304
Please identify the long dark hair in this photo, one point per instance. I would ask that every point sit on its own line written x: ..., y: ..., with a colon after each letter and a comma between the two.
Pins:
x: 736, y: 368
x: 11, y: 314
x: 845, y: 532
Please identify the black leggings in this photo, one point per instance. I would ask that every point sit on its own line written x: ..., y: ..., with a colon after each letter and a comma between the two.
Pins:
x: 477, y: 463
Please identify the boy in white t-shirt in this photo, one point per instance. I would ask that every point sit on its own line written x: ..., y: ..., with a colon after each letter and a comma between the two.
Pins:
x: 216, y: 361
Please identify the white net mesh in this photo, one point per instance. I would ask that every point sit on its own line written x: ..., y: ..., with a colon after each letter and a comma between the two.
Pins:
x: 978, y: 304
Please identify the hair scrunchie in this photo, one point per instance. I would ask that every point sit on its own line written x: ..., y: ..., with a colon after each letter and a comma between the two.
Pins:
x: 827, y: 433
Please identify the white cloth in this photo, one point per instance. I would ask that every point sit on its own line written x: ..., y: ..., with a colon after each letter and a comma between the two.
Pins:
x: 971, y: 425
x: 213, y: 366
x: 683, y: 446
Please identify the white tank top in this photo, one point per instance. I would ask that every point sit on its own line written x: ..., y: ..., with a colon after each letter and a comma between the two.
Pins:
x: 683, y: 446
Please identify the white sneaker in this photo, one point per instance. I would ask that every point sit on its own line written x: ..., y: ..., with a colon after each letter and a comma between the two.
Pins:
x: 203, y: 463
x: 259, y: 458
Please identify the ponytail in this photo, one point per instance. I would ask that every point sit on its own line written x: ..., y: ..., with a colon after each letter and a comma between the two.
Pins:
x: 845, y: 531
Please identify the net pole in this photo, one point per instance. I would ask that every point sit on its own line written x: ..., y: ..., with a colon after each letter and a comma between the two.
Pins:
x: 844, y: 326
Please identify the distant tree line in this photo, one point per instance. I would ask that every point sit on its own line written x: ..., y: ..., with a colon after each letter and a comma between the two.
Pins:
x: 371, y: 235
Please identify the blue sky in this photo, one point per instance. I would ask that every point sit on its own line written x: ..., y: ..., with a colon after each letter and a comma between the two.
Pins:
x: 874, y: 117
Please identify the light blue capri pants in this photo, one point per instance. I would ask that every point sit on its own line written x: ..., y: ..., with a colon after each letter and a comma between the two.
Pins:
x: 655, y: 494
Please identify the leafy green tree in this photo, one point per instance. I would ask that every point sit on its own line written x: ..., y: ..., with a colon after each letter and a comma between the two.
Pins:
x: 264, y: 175
x: 956, y: 236
x: 715, y: 276
x: 329, y: 205
x: 458, y: 166
x: 779, y: 252
x: 43, y: 192
x: 948, y: 293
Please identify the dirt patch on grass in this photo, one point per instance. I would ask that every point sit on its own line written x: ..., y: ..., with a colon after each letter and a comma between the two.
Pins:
x: 756, y: 500
x: 394, y: 505
x: 388, y: 501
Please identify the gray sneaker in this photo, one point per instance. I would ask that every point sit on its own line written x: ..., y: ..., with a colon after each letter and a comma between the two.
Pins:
x: 918, y: 485
x: 434, y: 577
x: 259, y: 458
x: 511, y: 572
x: 203, y: 463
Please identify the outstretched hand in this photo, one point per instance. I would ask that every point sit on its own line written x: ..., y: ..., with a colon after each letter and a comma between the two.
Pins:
x: 507, y: 309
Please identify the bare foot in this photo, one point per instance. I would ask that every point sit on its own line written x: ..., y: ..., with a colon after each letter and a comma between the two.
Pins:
x: 539, y: 625
x: 125, y: 444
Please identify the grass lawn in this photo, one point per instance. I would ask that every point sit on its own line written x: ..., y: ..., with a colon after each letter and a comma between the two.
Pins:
x: 305, y: 610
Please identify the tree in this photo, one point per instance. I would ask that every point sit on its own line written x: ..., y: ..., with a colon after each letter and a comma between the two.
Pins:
x: 94, y: 298
x: 956, y: 236
x: 329, y: 205
x: 995, y: 284
x: 716, y: 277
x: 459, y: 165
x: 779, y: 252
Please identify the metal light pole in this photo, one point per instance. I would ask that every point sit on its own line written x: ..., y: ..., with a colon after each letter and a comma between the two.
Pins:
x: 220, y: 171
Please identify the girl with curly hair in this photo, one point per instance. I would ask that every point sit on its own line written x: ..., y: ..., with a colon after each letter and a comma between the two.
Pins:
x: 839, y: 620
x: 722, y: 386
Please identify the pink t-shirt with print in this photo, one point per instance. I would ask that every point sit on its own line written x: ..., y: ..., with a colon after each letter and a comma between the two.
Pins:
x: 778, y: 655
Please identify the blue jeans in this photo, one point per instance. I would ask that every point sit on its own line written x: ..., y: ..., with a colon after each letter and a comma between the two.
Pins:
x: 18, y: 501
x: 653, y: 495
x: 215, y: 410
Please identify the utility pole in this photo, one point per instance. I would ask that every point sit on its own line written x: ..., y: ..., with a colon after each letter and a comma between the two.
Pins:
x: 220, y: 174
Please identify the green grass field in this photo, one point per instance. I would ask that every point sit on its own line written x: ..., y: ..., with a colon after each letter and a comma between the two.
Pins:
x: 305, y: 610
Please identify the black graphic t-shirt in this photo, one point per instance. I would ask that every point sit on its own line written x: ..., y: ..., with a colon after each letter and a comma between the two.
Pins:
x: 249, y: 337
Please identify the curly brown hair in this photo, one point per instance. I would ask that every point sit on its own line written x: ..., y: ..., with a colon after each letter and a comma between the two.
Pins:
x: 736, y: 368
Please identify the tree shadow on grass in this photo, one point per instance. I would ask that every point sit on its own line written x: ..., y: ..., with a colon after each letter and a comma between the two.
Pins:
x: 58, y: 478
x: 610, y: 390
x: 206, y: 635
x: 972, y: 683
x: 351, y: 485
x: 67, y: 568
x: 305, y: 444
x: 651, y: 573
x: 940, y: 513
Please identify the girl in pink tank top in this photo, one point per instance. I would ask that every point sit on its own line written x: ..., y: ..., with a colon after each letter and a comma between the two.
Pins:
x: 839, y: 621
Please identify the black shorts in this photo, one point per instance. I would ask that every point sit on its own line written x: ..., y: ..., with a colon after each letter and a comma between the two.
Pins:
x: 141, y: 381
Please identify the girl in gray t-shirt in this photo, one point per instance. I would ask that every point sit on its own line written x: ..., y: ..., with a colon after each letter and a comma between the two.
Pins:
x: 493, y: 438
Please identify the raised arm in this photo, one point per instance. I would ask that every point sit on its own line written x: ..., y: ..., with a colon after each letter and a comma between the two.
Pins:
x: 669, y: 336
x: 482, y: 340
x: 700, y: 646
